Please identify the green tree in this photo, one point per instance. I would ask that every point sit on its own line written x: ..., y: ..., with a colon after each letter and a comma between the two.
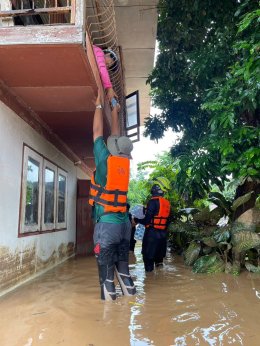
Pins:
x: 140, y: 187
x: 206, y: 81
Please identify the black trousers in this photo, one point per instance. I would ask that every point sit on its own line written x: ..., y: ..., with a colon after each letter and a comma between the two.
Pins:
x: 153, y: 247
x: 132, y: 240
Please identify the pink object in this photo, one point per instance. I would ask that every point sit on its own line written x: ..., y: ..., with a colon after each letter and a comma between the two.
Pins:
x: 100, y: 59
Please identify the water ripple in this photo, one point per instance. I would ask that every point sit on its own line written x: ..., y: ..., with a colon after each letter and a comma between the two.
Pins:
x: 187, y: 316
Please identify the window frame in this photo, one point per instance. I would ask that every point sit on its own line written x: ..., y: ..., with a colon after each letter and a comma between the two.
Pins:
x: 27, y: 153
x: 62, y: 225
x: 133, y: 131
x: 51, y: 166
x: 40, y: 228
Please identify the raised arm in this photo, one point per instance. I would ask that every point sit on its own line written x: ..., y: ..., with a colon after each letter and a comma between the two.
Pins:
x: 115, y: 130
x: 98, y: 119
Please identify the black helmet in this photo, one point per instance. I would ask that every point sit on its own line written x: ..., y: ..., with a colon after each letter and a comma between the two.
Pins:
x: 156, y: 190
x: 114, y: 67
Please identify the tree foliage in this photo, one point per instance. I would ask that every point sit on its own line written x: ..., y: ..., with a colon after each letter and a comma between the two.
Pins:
x: 138, y: 190
x: 140, y: 186
x: 206, y: 81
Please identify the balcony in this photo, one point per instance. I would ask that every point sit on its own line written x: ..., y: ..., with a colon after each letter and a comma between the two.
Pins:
x: 26, y: 12
x: 48, y: 73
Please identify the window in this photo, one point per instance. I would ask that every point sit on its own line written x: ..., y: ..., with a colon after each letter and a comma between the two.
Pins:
x: 31, y: 196
x: 133, y: 116
x: 44, y: 195
x: 49, y: 195
x: 62, y: 200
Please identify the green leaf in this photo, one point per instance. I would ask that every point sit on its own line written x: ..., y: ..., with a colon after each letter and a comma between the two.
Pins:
x: 245, y: 240
x: 209, y: 241
x: 221, y: 234
x: 218, y: 199
x: 209, y: 264
x: 241, y: 200
x: 251, y: 268
x: 192, y: 253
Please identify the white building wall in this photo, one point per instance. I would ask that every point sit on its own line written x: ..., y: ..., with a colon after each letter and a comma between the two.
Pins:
x: 21, y: 258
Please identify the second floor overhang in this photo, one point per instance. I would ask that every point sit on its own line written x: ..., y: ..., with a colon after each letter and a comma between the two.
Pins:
x: 56, y: 85
x: 49, y: 71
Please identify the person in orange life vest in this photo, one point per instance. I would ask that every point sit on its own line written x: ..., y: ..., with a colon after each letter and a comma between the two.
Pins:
x: 106, y: 60
x: 108, y: 196
x: 156, y: 221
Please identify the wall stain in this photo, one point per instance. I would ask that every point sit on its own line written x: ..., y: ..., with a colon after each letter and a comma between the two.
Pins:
x: 18, y: 266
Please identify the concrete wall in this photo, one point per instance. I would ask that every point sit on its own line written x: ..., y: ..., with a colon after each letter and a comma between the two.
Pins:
x: 23, y: 258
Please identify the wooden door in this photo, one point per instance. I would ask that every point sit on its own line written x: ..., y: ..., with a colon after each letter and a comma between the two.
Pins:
x: 85, y: 225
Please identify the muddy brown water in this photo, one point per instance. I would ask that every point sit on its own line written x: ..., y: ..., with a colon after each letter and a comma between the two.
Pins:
x: 173, y: 306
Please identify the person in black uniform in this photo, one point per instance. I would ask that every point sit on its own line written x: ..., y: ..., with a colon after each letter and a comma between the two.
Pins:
x: 132, y: 239
x: 155, y: 221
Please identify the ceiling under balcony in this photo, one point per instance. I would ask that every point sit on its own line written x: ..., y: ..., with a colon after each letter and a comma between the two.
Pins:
x: 57, y: 83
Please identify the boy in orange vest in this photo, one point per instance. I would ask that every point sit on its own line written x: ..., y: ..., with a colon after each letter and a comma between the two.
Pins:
x: 108, y: 196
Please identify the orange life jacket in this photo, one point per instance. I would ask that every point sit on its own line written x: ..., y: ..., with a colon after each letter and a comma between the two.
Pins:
x: 159, y: 221
x: 113, y: 197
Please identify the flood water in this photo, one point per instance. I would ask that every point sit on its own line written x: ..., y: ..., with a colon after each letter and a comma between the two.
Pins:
x: 173, y: 306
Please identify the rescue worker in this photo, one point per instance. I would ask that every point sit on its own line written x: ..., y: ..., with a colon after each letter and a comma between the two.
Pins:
x: 133, y: 229
x: 155, y: 221
x: 108, y: 196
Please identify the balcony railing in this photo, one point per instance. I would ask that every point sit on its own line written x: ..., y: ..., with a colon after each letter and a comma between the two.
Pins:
x: 101, y: 26
x: 33, y: 12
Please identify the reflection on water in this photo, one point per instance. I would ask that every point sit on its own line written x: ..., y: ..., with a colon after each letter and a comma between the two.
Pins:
x: 187, y: 316
x: 173, y: 307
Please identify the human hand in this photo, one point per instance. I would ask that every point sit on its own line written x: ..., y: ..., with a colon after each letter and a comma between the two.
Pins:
x: 133, y: 224
x: 115, y: 105
x: 111, y: 94
x: 136, y: 221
